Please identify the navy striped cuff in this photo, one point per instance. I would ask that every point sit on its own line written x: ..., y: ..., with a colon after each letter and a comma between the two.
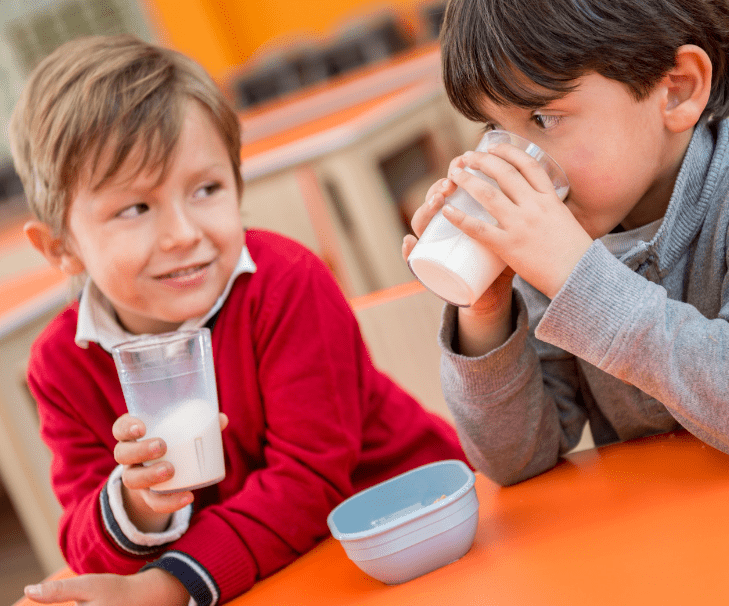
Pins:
x: 120, y: 528
x: 196, y: 579
x: 115, y: 531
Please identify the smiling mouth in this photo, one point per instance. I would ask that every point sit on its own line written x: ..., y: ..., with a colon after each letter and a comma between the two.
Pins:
x: 181, y: 273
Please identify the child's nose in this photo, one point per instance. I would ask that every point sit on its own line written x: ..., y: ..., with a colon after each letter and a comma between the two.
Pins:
x: 178, y: 228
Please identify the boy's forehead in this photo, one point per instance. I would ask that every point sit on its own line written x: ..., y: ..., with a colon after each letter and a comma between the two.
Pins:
x: 118, y: 164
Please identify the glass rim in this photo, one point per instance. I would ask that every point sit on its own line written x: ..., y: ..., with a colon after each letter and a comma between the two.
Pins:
x: 149, y: 341
x: 525, y: 148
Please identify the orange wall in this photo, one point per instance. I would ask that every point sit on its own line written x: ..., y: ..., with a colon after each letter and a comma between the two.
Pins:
x: 225, y: 33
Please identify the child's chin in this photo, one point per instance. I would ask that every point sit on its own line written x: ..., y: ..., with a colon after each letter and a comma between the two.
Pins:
x: 188, y: 312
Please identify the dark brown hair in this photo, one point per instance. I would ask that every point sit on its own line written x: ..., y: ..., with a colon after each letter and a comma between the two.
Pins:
x: 107, y: 94
x: 529, y: 52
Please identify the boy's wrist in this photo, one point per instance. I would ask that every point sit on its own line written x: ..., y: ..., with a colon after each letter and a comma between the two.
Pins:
x: 483, y: 330
x: 562, y: 268
x: 122, y: 529
x: 139, y: 513
x: 165, y: 588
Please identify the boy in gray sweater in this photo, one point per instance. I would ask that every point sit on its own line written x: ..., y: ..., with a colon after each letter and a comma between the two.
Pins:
x: 618, y: 313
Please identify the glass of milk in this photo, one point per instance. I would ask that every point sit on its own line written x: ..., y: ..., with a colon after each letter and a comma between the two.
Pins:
x: 168, y: 382
x: 454, y: 266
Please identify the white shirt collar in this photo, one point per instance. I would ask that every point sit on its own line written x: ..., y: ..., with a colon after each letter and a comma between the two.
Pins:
x: 620, y: 243
x: 97, y: 321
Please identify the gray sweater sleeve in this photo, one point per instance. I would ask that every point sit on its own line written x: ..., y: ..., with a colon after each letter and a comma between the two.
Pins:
x: 628, y: 327
x: 519, y: 407
x: 514, y: 415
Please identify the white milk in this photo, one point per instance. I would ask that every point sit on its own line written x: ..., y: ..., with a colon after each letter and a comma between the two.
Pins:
x: 194, y: 446
x: 454, y: 266
x: 457, y: 269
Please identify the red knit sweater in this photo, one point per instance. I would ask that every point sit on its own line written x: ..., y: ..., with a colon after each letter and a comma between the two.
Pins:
x: 311, y: 422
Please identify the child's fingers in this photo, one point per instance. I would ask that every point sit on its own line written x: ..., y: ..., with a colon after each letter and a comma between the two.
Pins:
x: 435, y: 188
x: 434, y: 197
x: 434, y: 201
x: 472, y: 227
x: 527, y: 165
x: 64, y: 590
x: 423, y: 215
x: 458, y: 162
x: 140, y: 477
x: 441, y: 186
x: 136, y: 453
x: 408, y: 244
x: 447, y: 186
x: 516, y: 172
x: 97, y: 589
x: 491, y: 198
x: 127, y: 428
x: 223, y: 420
x: 167, y: 503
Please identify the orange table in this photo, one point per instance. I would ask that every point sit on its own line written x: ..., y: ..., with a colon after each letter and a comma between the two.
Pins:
x: 640, y: 523
x: 645, y: 522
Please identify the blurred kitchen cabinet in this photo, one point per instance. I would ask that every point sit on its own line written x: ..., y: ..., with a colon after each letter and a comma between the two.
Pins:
x: 24, y: 458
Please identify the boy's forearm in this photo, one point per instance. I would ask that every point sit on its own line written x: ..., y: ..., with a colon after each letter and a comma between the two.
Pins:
x: 507, y: 420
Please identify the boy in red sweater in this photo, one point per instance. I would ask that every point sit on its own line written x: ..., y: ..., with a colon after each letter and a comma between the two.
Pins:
x: 129, y: 157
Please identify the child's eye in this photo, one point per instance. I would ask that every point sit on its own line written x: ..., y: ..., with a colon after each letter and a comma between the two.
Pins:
x: 546, y: 121
x: 133, y: 211
x: 207, y: 190
x: 488, y: 127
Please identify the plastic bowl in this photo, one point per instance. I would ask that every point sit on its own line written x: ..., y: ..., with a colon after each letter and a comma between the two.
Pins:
x: 410, y: 524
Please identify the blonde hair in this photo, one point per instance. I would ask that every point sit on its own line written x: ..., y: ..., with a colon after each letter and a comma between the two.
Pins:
x: 107, y: 93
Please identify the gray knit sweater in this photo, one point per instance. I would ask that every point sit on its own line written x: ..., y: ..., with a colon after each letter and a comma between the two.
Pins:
x: 636, y: 345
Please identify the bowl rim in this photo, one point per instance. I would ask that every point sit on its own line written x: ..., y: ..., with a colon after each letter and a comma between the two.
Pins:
x: 409, y: 517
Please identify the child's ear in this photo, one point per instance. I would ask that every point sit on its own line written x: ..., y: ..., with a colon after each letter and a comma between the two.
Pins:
x: 687, y: 87
x: 52, y: 248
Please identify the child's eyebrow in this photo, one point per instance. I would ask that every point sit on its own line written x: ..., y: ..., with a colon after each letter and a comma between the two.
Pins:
x: 527, y: 107
x: 486, y: 118
x: 207, y: 168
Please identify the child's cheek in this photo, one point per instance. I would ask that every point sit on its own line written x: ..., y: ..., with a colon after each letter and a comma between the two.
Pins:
x: 586, y: 168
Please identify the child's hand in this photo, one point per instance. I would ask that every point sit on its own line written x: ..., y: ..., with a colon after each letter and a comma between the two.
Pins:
x: 152, y: 587
x: 536, y: 234
x: 487, y: 323
x: 495, y: 296
x: 147, y: 510
x: 434, y: 200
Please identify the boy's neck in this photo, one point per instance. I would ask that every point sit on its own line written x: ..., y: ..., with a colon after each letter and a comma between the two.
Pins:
x: 654, y: 203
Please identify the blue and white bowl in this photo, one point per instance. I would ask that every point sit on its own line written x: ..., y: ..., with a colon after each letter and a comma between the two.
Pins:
x: 410, y: 524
